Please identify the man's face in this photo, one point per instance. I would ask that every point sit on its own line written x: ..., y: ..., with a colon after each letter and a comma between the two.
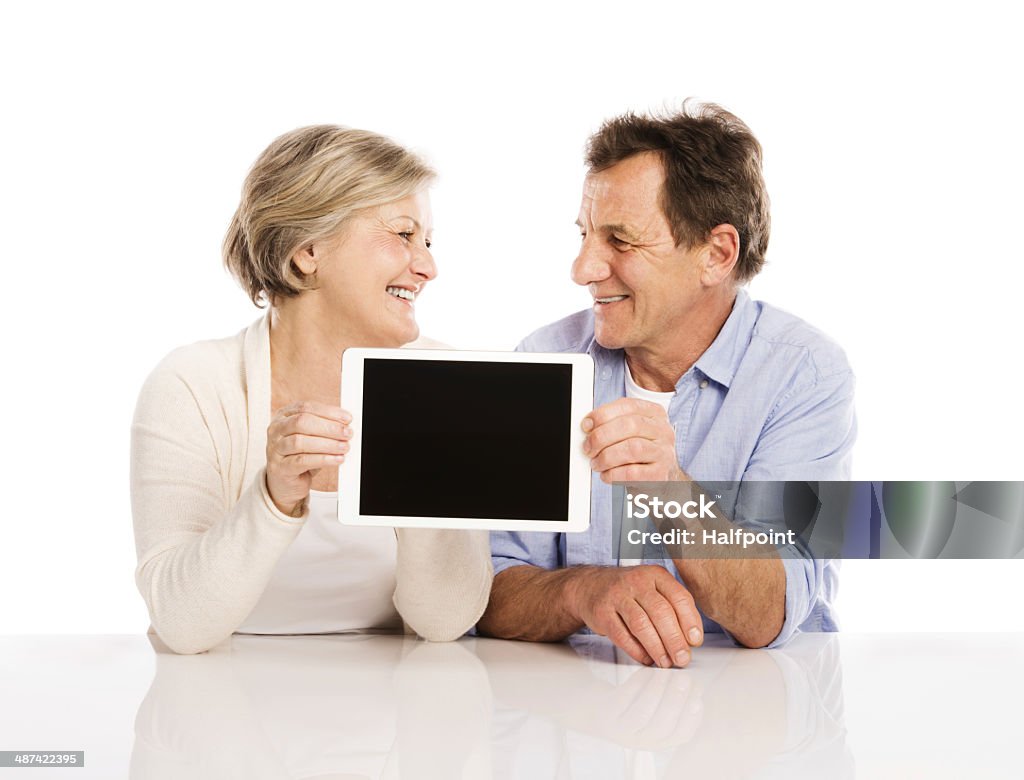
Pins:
x: 643, y: 285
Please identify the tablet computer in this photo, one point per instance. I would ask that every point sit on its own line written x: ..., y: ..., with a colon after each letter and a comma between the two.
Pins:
x: 464, y: 439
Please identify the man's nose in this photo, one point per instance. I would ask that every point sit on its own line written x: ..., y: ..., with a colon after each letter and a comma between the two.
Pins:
x: 591, y: 264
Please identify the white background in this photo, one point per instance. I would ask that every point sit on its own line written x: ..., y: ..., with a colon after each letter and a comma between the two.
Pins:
x: 893, y: 157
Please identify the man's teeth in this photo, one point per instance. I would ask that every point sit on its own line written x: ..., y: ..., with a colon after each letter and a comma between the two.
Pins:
x: 612, y: 299
x: 401, y: 292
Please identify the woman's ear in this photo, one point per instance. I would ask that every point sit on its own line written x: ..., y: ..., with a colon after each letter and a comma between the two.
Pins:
x: 723, y: 246
x: 305, y: 260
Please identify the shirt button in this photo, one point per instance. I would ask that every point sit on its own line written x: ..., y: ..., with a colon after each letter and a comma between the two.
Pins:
x: 703, y: 384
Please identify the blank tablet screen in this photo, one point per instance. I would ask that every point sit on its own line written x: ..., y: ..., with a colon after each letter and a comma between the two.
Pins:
x: 466, y: 439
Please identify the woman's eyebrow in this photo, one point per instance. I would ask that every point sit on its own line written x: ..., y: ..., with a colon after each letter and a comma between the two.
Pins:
x: 411, y: 219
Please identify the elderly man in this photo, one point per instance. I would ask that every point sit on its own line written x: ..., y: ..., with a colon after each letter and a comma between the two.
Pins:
x: 694, y: 381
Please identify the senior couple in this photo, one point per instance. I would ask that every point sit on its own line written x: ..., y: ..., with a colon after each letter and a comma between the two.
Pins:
x: 236, y: 442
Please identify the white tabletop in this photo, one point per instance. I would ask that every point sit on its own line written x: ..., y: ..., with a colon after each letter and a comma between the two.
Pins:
x: 826, y: 706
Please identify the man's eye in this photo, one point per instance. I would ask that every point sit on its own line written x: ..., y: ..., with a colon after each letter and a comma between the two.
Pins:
x: 406, y: 234
x: 619, y: 242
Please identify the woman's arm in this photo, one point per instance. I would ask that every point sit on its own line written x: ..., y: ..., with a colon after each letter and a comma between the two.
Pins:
x: 202, y: 563
x: 444, y: 580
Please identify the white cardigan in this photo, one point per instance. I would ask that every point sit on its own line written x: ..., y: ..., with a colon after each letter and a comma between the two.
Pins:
x: 207, y: 533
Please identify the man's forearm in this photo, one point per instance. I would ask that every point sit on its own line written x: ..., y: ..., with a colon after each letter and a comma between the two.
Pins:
x: 747, y: 597
x: 531, y: 603
x: 744, y: 592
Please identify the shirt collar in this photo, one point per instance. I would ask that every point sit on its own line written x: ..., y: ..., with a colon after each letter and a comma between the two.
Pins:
x: 721, y: 360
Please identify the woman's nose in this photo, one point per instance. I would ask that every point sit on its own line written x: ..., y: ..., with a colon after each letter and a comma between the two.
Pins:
x: 423, y: 264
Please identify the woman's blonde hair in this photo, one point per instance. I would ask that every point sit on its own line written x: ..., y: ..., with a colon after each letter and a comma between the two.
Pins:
x: 301, y: 190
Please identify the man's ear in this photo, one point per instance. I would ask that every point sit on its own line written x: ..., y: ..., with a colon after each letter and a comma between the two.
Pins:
x: 306, y: 260
x: 723, y: 251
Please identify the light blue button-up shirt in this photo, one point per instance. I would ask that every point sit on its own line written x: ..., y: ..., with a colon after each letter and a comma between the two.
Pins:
x: 770, y: 399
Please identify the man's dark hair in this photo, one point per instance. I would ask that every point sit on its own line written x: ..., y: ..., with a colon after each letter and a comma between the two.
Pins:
x: 712, y: 165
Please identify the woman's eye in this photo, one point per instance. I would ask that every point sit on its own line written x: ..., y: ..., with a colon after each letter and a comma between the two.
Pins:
x: 408, y: 234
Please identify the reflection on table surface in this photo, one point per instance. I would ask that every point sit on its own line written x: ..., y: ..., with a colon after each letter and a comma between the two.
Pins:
x: 387, y: 706
x: 899, y: 706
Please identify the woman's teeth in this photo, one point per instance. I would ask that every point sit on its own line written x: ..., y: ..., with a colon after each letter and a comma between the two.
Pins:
x: 401, y: 292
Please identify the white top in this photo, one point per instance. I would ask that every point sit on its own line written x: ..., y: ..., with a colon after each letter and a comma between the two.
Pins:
x: 209, y: 538
x: 633, y: 390
x: 332, y: 578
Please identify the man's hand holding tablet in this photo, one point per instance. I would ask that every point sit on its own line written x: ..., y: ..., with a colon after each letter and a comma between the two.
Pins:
x: 631, y: 440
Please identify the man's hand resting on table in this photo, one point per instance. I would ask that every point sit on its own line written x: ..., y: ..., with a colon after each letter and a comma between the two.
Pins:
x: 642, y: 609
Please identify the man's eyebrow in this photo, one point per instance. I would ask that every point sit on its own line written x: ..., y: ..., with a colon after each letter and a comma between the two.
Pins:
x: 622, y: 230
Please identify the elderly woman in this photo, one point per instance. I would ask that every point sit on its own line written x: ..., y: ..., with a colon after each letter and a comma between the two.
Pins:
x: 236, y: 442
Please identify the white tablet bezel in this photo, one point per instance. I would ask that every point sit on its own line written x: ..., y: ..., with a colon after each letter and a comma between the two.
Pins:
x: 581, y: 404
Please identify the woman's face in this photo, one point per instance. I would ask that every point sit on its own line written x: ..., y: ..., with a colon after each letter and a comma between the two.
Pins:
x: 370, y: 276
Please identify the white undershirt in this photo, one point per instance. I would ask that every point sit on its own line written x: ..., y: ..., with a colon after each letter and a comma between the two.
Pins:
x: 332, y: 578
x: 633, y: 390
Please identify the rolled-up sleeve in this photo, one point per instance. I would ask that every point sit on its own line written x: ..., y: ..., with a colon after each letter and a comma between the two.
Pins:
x: 804, y: 596
x: 809, y: 437
x: 513, y: 548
